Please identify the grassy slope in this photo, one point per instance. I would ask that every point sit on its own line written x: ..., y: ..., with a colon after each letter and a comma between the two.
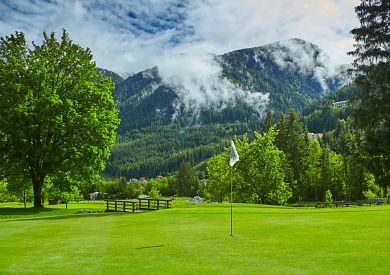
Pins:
x: 189, y: 240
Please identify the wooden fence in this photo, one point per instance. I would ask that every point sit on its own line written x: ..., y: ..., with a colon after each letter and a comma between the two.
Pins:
x: 121, y: 205
x: 140, y: 204
x: 154, y: 204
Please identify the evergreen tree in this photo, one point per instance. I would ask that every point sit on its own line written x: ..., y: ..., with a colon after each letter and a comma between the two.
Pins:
x: 268, y: 122
x: 291, y: 141
x: 187, y: 183
x: 349, y: 143
x: 372, y: 77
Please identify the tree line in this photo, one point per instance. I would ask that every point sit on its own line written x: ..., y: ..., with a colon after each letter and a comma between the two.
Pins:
x: 284, y: 163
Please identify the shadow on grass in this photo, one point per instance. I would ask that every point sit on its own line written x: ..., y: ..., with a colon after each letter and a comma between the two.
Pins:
x: 8, y: 211
x: 60, y: 215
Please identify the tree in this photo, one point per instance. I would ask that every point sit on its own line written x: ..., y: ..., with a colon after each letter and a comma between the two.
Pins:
x: 349, y: 143
x: 332, y: 174
x: 372, y: 77
x: 312, y: 175
x: 21, y: 187
x: 268, y: 122
x: 58, y: 116
x: 187, y: 183
x: 5, y: 195
x: 218, y: 170
x: 291, y: 140
x: 71, y: 193
x: 260, y: 166
x: 157, y: 187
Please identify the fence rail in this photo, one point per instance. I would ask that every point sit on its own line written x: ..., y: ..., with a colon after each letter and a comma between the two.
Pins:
x: 140, y: 204
x: 89, y: 202
x: 121, y: 205
x: 154, y: 204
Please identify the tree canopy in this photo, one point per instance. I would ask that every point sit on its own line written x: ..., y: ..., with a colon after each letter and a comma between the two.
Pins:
x: 58, y: 116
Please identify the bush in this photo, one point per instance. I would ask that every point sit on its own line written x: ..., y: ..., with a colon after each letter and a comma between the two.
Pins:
x: 328, y: 196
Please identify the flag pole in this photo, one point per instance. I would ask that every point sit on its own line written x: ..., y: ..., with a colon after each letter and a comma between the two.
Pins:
x: 231, y: 201
x: 233, y: 159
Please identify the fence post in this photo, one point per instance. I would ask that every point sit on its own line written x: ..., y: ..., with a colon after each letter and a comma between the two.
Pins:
x: 124, y: 206
x: 107, y: 207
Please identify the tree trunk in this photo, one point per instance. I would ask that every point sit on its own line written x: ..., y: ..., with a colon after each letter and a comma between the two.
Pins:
x: 24, y: 198
x: 37, y: 182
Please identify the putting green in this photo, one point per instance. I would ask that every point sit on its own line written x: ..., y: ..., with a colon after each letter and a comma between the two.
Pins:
x: 195, y: 239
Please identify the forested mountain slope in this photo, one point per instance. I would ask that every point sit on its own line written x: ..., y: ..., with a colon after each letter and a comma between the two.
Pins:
x: 157, y: 133
x: 294, y: 72
x: 323, y: 115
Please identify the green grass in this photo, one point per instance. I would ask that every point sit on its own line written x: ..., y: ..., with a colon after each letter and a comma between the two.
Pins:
x: 194, y: 239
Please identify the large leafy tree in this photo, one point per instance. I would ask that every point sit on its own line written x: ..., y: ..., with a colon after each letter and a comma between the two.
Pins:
x: 57, y: 115
x: 372, y: 77
x: 333, y: 174
x: 218, y: 170
x: 312, y: 175
x: 261, y: 167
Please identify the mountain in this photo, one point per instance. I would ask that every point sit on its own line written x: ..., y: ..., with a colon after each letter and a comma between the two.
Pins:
x: 158, y: 132
x: 114, y: 76
x: 294, y: 72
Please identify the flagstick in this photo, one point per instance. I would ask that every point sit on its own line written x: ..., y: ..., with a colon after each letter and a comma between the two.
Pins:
x: 233, y: 159
x: 231, y: 201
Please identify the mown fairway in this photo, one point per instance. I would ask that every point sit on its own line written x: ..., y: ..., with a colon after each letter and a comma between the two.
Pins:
x: 195, y: 240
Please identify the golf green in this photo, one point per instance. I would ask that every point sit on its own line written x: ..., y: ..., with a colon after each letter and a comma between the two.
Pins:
x: 195, y: 240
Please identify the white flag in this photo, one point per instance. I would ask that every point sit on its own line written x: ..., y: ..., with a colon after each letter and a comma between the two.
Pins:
x: 233, y: 155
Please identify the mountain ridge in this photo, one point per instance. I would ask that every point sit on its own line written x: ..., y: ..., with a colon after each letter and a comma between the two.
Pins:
x: 294, y: 73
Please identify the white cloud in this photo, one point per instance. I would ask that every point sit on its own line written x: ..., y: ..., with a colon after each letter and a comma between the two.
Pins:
x: 197, y: 80
x: 127, y: 35
x: 178, y: 36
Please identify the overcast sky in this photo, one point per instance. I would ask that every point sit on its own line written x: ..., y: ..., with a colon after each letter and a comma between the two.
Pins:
x: 131, y: 35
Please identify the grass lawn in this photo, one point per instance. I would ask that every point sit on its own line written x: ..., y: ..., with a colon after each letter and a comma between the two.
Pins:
x: 190, y: 239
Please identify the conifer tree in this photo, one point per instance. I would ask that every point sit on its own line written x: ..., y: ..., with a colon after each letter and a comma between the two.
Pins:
x: 268, y: 122
x: 187, y: 183
x: 291, y: 141
x: 372, y: 77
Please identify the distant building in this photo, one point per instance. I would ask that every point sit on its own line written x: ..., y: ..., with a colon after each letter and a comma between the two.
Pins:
x: 340, y: 104
x: 95, y: 195
x: 143, y: 179
x: 316, y: 135
x: 197, y: 199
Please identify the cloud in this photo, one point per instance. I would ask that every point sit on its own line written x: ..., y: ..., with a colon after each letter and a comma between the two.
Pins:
x: 230, y: 24
x: 179, y: 36
x: 307, y: 59
x: 132, y: 35
x: 198, y: 82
